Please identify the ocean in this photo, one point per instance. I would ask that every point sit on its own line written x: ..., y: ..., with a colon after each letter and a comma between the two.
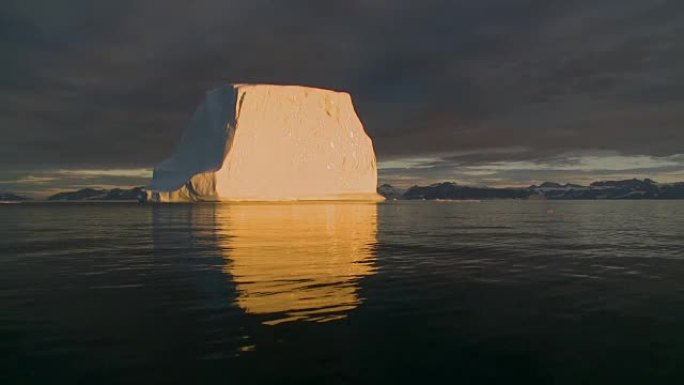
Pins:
x: 500, y: 292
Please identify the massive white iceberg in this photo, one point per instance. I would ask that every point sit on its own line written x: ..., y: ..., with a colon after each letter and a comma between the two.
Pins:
x: 255, y: 142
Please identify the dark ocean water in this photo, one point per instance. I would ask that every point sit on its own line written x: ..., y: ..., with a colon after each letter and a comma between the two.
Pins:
x: 502, y: 292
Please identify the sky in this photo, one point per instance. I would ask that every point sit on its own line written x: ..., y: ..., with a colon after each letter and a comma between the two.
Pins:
x: 479, y: 92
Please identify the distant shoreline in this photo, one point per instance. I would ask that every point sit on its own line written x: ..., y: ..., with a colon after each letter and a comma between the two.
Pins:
x: 388, y: 201
x: 631, y: 189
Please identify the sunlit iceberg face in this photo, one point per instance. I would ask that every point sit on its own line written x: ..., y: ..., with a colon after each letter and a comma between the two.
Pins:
x: 298, y: 262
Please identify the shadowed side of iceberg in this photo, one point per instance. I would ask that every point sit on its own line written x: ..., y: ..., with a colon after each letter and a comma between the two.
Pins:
x: 188, y: 173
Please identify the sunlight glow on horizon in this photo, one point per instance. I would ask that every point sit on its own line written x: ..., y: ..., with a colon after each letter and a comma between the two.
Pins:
x: 405, y: 172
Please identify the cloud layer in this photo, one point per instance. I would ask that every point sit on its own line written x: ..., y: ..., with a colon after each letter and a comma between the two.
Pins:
x: 110, y: 85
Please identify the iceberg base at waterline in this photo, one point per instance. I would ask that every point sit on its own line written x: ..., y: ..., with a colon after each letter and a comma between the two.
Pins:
x: 270, y: 143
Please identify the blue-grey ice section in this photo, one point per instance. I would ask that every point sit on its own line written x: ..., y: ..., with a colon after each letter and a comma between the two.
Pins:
x: 204, y: 144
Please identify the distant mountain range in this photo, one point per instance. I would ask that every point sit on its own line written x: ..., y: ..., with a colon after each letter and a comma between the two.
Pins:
x: 91, y: 194
x: 10, y: 197
x: 623, y: 189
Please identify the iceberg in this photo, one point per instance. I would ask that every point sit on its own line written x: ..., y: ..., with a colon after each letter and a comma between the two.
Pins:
x: 258, y: 142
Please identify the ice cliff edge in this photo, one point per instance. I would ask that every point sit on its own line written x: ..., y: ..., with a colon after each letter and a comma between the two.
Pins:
x: 262, y: 142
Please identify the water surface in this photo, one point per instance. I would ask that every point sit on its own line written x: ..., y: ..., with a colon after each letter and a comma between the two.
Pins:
x: 401, y: 292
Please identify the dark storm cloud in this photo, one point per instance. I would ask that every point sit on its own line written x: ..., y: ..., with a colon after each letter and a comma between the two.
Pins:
x: 110, y: 84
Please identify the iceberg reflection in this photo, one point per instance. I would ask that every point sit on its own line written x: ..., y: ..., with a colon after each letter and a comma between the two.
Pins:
x: 298, y: 261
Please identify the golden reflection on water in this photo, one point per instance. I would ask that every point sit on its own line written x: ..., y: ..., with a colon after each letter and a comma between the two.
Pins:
x: 298, y: 261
